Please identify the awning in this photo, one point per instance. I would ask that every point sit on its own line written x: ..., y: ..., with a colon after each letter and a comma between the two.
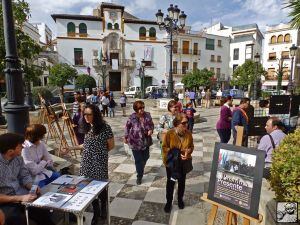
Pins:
x: 275, y: 82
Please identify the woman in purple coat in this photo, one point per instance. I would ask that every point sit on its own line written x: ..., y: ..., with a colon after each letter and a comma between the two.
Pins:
x: 224, y: 123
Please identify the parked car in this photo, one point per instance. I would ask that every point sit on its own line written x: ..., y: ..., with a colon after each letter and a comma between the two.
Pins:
x: 234, y: 93
x: 132, y: 91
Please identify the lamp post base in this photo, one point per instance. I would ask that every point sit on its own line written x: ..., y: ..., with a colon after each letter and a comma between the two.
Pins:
x: 17, y: 118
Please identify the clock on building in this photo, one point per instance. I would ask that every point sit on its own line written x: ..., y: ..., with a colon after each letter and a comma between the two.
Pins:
x: 113, y: 15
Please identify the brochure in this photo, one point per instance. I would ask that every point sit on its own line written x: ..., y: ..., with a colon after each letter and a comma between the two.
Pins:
x: 78, y: 202
x: 52, y: 199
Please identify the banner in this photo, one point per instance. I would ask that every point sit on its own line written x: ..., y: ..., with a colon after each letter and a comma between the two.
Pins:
x: 115, y: 63
x: 148, y: 53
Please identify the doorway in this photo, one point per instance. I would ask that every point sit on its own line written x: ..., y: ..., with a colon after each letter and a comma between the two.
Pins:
x: 115, y: 81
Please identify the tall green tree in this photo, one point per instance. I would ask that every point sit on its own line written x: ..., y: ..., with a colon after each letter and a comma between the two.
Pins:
x: 197, y: 78
x: 246, y: 74
x: 61, y: 75
x: 85, y: 81
x: 294, y: 6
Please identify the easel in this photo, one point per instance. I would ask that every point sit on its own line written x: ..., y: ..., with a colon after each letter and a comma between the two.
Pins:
x: 231, y: 214
x: 54, y: 128
x: 70, y: 126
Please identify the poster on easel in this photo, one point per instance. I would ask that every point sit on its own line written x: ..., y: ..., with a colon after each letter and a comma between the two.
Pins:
x: 236, y: 178
x: 279, y: 104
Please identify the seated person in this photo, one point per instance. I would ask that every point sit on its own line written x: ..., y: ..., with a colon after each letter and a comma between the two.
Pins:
x: 36, y: 157
x: 15, y: 183
x: 270, y: 141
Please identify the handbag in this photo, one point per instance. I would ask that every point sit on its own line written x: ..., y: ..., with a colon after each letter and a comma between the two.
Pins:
x: 187, y: 165
x: 148, y: 141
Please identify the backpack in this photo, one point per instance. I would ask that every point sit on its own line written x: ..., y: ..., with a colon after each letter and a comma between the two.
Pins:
x: 95, y: 99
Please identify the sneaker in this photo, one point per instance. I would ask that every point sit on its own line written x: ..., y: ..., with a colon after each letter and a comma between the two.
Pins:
x: 180, y: 204
x: 168, y: 208
x: 139, y: 181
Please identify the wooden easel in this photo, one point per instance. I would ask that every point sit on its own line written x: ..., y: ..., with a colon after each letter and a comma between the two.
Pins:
x: 68, y: 122
x: 231, y: 214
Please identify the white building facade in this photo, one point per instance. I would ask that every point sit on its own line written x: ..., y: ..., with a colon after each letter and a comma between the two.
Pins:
x: 278, y: 40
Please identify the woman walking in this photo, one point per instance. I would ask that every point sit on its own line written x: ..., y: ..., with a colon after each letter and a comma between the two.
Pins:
x: 138, y: 131
x: 224, y: 122
x: 177, y: 149
x: 98, y: 141
x: 123, y: 103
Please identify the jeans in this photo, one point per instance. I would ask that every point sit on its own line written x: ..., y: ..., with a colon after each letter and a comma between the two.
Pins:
x: 111, y: 111
x: 48, y: 180
x: 193, y: 101
x: 224, y: 135
x: 190, y: 124
x: 140, y: 159
x: 171, y: 184
x: 105, y: 110
x: 15, y: 214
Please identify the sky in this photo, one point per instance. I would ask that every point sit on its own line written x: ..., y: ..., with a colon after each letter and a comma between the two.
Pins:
x: 200, y: 13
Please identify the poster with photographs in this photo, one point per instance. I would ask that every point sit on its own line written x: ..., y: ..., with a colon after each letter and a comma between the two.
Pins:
x: 236, y: 177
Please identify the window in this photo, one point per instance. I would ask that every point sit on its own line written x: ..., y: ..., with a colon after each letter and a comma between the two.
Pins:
x: 195, y: 49
x: 71, y: 29
x: 211, y: 69
x: 271, y: 73
x: 152, y: 33
x: 195, y: 66
x: 210, y: 44
x: 249, y: 52
x: 236, y: 54
x: 175, y: 47
x: 285, y: 55
x: 142, y: 33
x: 212, y: 58
x: 285, y: 73
x: 109, y: 26
x: 273, y: 39
x: 280, y: 39
x: 185, y: 67
x: 219, y: 58
x: 78, y: 56
x: 234, y: 67
x: 287, y: 38
x: 218, y: 72
x: 185, y: 47
x: 82, y: 30
x: 148, y: 63
x: 175, y: 67
x: 219, y: 43
x: 116, y: 26
x: 272, y: 56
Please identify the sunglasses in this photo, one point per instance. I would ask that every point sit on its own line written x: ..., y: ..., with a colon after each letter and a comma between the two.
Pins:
x: 184, y: 122
x: 87, y: 114
x: 141, y: 108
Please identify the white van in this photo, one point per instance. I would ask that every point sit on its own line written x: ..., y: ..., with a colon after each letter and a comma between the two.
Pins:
x: 132, y: 91
x: 149, y: 89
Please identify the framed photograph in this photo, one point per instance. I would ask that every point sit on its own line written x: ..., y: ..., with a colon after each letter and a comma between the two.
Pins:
x: 279, y: 104
x: 236, y: 177
x: 257, y: 126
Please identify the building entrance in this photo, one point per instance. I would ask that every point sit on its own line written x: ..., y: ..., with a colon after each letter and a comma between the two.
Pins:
x: 115, y: 81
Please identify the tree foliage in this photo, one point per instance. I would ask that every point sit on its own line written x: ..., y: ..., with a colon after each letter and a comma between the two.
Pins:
x: 245, y: 74
x: 61, y: 74
x: 294, y: 7
x: 197, y: 78
x: 85, y: 81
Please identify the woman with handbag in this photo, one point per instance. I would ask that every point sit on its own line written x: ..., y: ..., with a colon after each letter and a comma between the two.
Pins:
x: 177, y: 139
x: 138, y: 131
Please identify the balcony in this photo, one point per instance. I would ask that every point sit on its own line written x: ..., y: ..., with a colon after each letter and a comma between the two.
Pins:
x: 186, y: 51
x: 180, y: 72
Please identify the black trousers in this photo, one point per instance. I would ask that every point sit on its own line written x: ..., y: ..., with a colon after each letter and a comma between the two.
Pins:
x: 193, y: 101
x: 170, y: 186
x: 224, y: 135
x: 96, y: 206
x: 15, y: 215
x: 105, y: 110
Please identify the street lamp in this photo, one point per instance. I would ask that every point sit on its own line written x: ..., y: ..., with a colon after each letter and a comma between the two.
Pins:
x: 256, y: 60
x: 142, y: 76
x: 16, y: 112
x: 293, y: 51
x: 172, y: 23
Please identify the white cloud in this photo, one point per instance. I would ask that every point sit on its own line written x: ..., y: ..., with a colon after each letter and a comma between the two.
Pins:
x: 88, y: 10
x: 141, y: 5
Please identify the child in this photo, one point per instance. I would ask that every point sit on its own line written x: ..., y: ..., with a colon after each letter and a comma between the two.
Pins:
x: 189, y: 111
x: 111, y: 106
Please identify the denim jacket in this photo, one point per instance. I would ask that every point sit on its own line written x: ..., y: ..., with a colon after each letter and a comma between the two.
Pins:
x: 135, y: 131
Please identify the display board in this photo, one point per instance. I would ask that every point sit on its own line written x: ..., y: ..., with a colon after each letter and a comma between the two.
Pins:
x: 279, y: 104
x: 236, y: 178
x: 257, y: 126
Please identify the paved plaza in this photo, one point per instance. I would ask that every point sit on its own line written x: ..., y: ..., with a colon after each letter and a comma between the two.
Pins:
x: 143, y: 204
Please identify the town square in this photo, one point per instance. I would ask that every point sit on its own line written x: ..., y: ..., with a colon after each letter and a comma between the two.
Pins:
x: 146, y: 112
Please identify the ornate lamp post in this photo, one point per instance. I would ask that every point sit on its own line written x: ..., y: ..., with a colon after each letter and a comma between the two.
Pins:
x: 172, y: 23
x: 16, y: 112
x: 256, y: 60
x: 293, y: 51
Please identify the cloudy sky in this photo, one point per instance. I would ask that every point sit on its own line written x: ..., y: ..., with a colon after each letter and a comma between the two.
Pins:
x: 201, y: 13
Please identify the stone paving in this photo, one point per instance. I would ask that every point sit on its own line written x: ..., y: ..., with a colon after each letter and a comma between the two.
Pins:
x: 143, y: 204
